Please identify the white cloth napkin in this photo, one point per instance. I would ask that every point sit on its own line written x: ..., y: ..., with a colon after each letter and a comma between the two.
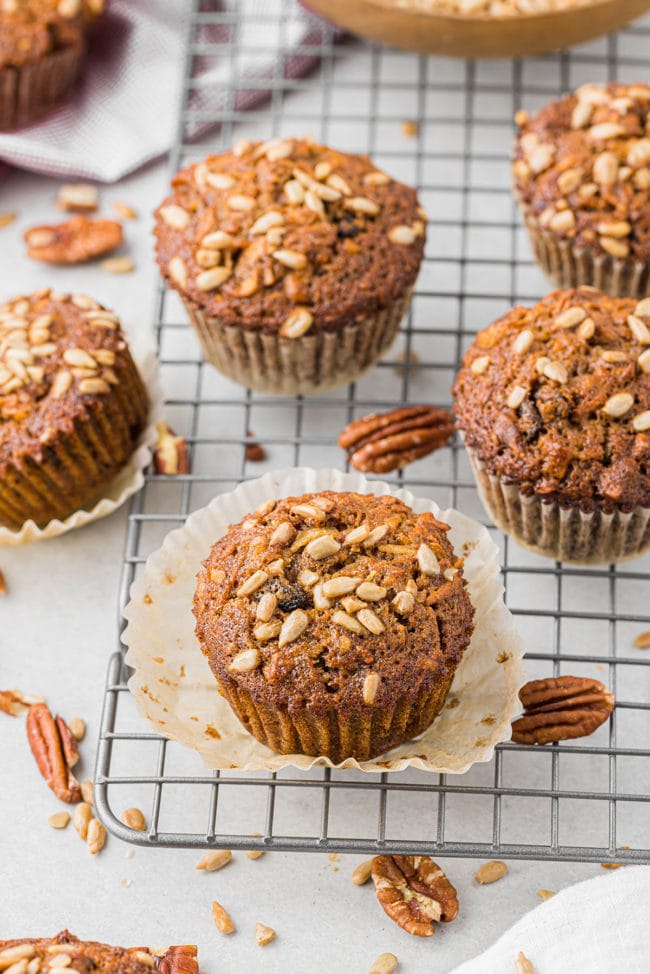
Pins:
x: 600, y: 926
x: 124, y: 110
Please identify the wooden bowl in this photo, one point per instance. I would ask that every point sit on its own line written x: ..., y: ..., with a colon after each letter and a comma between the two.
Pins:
x: 478, y: 36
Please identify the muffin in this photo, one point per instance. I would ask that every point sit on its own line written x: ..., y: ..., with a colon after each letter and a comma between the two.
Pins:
x: 554, y: 403
x: 295, y: 262
x: 582, y: 180
x: 79, y: 956
x: 334, y: 622
x: 72, y: 405
x: 42, y: 46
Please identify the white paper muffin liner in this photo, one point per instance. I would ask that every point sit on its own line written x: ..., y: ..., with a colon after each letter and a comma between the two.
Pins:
x: 129, y: 480
x: 175, y: 690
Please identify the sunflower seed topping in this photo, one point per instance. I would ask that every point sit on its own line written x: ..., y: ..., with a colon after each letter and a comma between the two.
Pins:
x: 252, y: 584
x: 618, y: 405
x: 246, y: 661
x: 370, y: 688
x: 641, y: 421
x: 427, y: 560
x: 293, y: 627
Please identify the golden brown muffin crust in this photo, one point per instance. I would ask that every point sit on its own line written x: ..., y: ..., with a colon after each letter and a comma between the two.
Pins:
x: 395, y: 626
x: 270, y: 230
x: 60, y: 355
x: 29, y: 29
x: 556, y: 399
x: 84, y: 956
x: 582, y: 169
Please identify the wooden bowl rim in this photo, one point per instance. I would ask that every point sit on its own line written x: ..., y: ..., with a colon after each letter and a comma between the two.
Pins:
x: 485, y: 18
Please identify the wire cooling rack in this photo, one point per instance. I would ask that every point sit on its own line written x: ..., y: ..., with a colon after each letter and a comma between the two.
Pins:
x: 445, y: 126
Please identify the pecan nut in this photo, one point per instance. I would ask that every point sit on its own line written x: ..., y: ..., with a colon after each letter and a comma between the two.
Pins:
x: 170, y: 456
x: 50, y: 752
x: 414, y: 892
x: 78, y: 240
x: 382, y: 442
x: 177, y: 960
x: 560, y: 708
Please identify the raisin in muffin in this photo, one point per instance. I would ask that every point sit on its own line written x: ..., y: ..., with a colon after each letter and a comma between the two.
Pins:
x: 40, y: 955
x: 42, y: 45
x: 72, y: 405
x: 582, y: 179
x: 295, y: 262
x: 554, y: 402
x: 334, y: 622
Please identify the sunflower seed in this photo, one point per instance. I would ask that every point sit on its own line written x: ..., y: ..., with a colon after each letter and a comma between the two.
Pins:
x: 371, y: 621
x: 212, y: 279
x: 614, y: 247
x: 586, y: 329
x: 282, y: 534
x: 616, y: 228
x: 81, y: 819
x: 308, y: 512
x: 77, y: 356
x: 297, y: 324
x: 370, y: 688
x: 491, y: 871
x: 404, y: 603
x: 246, y: 661
x: 219, y: 180
x: 370, y: 592
x: 427, y: 560
x: 177, y: 271
x: 271, y: 219
x: 267, y: 630
x: 522, y: 342
x: 376, y: 535
x: 564, y: 220
x: 339, y: 184
x: 322, y: 547
x: 619, y: 404
x: 644, y: 361
x: 402, y: 235
x: 357, y: 535
x: 308, y: 578
x: 570, y: 317
x: 606, y: 130
x: 134, y: 819
x: 361, y: 204
x: 218, y: 240
x: 175, y: 216
x: 293, y: 627
x: 641, y: 421
x: 290, y: 258
x: 266, y: 606
x: 59, y: 820
x: 214, y: 860
x: 516, y: 397
x: 240, y: 202
x: 362, y: 873
x: 253, y: 583
x: 294, y: 192
x: 639, y: 329
x: 320, y: 600
x: 264, y: 935
x: 94, y: 387
x: 347, y: 622
x: 480, y: 365
x: 222, y: 919
x: 384, y: 964
x: 96, y: 836
x: 341, y: 585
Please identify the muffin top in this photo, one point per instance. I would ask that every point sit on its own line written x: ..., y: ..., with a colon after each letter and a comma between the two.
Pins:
x: 556, y: 399
x: 287, y: 236
x: 60, y: 354
x: 333, y: 600
x: 582, y: 169
x: 29, y: 29
x: 84, y: 956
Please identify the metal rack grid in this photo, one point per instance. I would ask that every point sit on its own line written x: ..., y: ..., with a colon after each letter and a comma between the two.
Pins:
x: 586, y: 800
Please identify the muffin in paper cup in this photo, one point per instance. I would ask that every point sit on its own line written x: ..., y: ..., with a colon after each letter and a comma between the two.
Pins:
x: 554, y: 405
x: 582, y: 181
x: 295, y: 262
x: 44, y: 45
x: 78, y: 415
x: 175, y: 689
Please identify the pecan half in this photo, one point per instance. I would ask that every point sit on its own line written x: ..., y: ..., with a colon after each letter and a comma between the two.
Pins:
x: 560, y: 708
x: 170, y: 456
x: 382, y: 442
x: 414, y: 892
x: 177, y: 960
x: 78, y: 240
x: 50, y: 751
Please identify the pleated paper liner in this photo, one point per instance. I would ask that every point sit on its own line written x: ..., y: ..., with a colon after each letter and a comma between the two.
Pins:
x: 127, y: 482
x: 570, y: 266
x: 33, y: 90
x: 315, y: 362
x: 174, y: 689
x: 564, y: 534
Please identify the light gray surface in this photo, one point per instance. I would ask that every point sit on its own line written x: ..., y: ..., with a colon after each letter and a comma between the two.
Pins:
x: 58, y: 627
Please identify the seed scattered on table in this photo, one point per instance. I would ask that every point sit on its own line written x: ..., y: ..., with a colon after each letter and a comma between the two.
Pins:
x: 222, y: 919
x: 87, y: 791
x: 642, y: 641
x: 214, y: 860
x: 125, y: 212
x: 523, y: 965
x: 134, y: 819
x: 81, y: 819
x: 361, y: 874
x: 77, y: 728
x: 6, y: 219
x: 96, y: 836
x: 545, y: 894
x: 384, y: 964
x: 117, y: 265
x: 491, y: 871
x: 264, y: 935
x: 59, y: 820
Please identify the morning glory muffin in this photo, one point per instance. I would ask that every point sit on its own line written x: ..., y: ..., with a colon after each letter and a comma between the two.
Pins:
x: 582, y: 179
x: 295, y: 262
x: 42, y: 47
x: 334, y: 622
x: 72, y: 405
x: 65, y: 951
x: 554, y: 405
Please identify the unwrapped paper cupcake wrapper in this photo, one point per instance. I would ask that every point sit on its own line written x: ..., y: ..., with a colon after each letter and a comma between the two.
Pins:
x: 564, y: 534
x: 30, y: 91
x: 127, y: 482
x: 297, y: 366
x: 175, y: 690
x: 570, y: 266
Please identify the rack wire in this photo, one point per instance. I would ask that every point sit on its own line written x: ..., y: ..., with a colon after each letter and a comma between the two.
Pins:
x: 584, y: 800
